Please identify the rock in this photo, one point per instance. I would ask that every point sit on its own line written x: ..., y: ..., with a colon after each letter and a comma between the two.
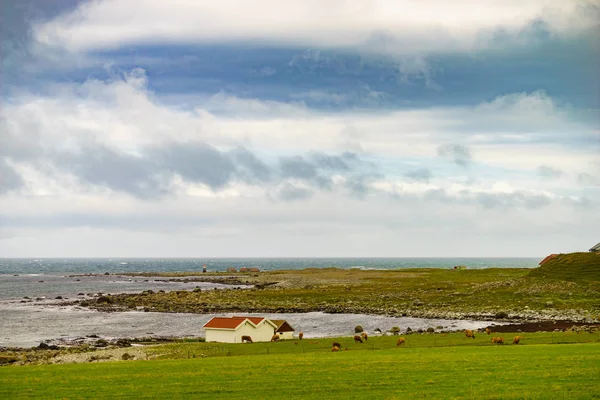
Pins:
x: 45, y: 346
x: 104, y: 300
x: 106, y: 273
x: 549, y: 304
x: 58, y: 298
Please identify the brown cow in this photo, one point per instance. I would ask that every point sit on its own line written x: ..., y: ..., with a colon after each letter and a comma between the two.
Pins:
x: 275, y: 338
x: 400, y: 341
x: 335, y: 348
x: 517, y: 339
x: 469, y: 333
x: 488, y: 330
x: 364, y: 336
x: 497, y: 340
x: 246, y: 338
x: 357, y: 339
x: 336, y: 344
x: 300, y: 335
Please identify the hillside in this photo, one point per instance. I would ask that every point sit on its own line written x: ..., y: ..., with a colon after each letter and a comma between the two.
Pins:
x: 574, y: 267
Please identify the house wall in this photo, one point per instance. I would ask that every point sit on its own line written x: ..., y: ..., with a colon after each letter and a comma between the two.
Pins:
x: 221, y: 336
x: 286, y: 335
x: 262, y: 333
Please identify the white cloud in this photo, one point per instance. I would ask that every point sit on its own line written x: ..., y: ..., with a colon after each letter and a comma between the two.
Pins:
x: 499, y: 195
x: 402, y: 26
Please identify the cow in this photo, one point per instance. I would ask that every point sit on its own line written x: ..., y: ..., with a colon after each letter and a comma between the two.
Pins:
x: 364, y: 336
x: 498, y: 340
x: 469, y: 333
x: 357, y: 339
x: 400, y: 342
x: 275, y: 338
x: 335, y: 348
x: 247, y: 339
x: 336, y: 344
x: 300, y: 335
x: 488, y: 330
x: 517, y: 339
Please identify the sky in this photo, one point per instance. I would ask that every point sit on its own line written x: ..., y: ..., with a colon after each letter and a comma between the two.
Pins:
x: 325, y: 128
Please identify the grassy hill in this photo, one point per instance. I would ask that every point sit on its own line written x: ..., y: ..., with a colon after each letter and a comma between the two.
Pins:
x: 574, y: 267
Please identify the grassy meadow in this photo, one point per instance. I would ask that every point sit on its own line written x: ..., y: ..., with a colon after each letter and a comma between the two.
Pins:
x: 532, y: 371
x: 557, y: 365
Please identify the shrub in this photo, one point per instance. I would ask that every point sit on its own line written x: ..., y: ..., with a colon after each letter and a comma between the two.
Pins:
x: 358, y: 329
x: 395, y: 330
x: 430, y: 330
x: 501, y: 315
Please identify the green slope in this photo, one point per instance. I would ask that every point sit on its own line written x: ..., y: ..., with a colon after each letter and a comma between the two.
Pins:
x: 575, y: 267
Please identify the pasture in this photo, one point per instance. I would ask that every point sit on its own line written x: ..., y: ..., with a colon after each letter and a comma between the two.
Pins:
x: 428, y: 366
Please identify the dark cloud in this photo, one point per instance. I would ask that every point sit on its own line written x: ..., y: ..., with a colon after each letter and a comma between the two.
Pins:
x: 250, y: 168
x: 420, y: 175
x: 549, y: 172
x: 459, y: 154
x: 9, y: 178
x: 198, y: 163
x: 99, y: 165
x: 289, y: 192
x: 298, y: 167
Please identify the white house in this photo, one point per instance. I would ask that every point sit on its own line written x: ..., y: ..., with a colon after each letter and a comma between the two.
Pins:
x: 231, y: 329
x: 284, y: 329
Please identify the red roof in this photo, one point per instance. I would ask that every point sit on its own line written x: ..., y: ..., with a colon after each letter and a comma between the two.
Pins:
x: 230, y: 322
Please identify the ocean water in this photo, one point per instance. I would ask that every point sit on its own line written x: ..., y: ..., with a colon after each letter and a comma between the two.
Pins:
x: 29, y: 287
x: 120, y: 265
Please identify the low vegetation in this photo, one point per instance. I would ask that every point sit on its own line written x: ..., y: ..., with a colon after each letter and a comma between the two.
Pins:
x: 431, y: 293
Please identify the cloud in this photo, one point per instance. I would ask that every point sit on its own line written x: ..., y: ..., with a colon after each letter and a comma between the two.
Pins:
x: 548, y: 172
x: 588, y: 179
x: 289, y: 192
x: 459, y: 154
x: 9, y: 179
x: 262, y: 72
x: 420, y: 175
x: 401, y: 26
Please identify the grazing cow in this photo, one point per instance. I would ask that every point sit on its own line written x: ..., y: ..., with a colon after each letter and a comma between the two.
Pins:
x: 357, y: 339
x: 488, y: 330
x: 364, y: 336
x: 335, y: 348
x: 336, y: 344
x: 300, y: 335
x: 275, y: 338
x: 469, y: 333
x: 497, y: 340
x: 517, y: 339
x: 400, y: 342
x: 247, y: 339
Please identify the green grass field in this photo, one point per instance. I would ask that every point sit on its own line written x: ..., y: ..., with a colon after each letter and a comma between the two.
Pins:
x: 429, y: 366
x: 565, y: 371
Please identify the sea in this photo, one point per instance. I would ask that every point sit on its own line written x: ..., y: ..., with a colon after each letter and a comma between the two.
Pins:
x: 122, y: 265
x: 32, y: 290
